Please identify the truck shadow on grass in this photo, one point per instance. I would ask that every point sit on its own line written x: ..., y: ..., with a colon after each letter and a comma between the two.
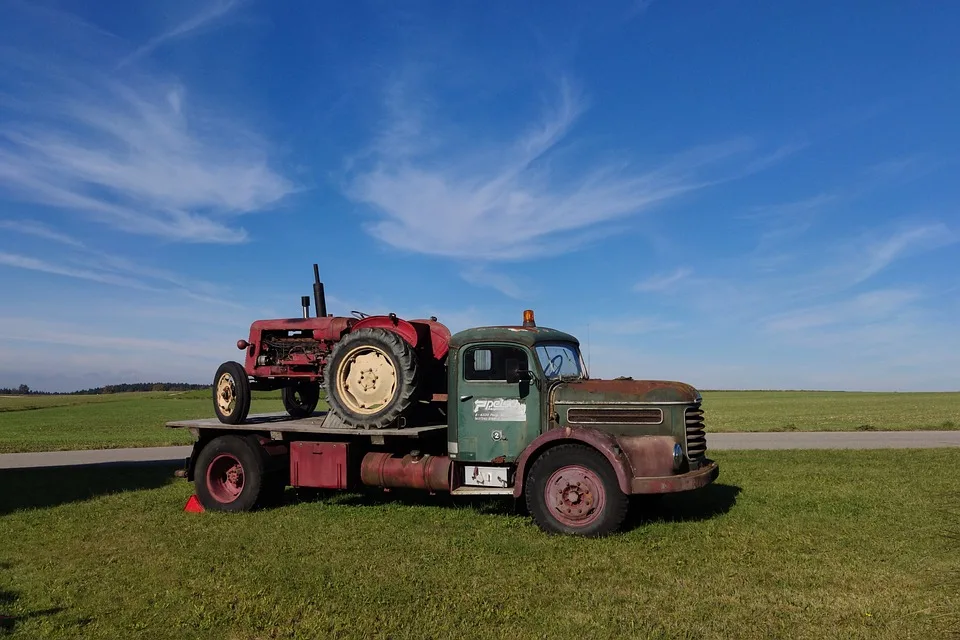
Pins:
x: 702, y: 504
x: 9, y: 621
x: 52, y: 486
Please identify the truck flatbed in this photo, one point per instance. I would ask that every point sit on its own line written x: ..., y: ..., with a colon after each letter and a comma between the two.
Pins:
x: 320, y: 422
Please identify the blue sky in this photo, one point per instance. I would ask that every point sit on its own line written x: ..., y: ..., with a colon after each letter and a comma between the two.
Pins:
x: 737, y: 195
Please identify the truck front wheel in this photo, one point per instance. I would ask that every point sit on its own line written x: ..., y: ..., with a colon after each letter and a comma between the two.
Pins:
x: 572, y: 489
x: 232, y: 474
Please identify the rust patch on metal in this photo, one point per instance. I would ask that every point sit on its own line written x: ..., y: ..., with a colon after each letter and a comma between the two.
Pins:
x: 607, y: 391
x: 648, y: 455
x: 499, y: 460
x: 378, y: 469
x: 602, y: 441
x: 674, y: 484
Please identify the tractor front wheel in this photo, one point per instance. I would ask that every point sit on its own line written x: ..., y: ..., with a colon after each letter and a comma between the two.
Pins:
x: 301, y: 400
x: 231, y: 393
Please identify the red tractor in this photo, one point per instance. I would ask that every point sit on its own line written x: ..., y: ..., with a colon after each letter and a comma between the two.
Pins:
x: 376, y: 370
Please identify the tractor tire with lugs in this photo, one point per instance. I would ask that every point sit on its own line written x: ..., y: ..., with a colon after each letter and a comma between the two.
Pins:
x: 231, y: 393
x: 301, y: 400
x: 371, y: 378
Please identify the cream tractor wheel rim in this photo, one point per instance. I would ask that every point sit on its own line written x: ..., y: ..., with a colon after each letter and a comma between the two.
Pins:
x: 366, y: 379
x: 226, y: 393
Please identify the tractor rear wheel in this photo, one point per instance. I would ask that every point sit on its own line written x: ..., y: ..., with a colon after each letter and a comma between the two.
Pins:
x: 231, y: 393
x: 371, y: 378
x: 301, y: 400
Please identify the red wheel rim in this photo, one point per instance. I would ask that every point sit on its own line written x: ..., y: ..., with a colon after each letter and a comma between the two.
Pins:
x: 574, y: 495
x: 225, y: 478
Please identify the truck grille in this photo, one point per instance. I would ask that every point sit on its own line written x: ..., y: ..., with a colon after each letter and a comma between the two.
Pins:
x: 696, y: 437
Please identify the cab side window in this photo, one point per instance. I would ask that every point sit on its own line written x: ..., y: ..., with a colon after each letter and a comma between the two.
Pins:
x: 489, y: 363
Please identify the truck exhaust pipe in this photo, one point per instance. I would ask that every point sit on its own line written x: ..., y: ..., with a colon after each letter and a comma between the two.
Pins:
x: 305, y: 303
x: 319, y: 299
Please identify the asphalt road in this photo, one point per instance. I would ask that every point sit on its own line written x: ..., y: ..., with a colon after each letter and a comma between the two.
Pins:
x: 715, y: 441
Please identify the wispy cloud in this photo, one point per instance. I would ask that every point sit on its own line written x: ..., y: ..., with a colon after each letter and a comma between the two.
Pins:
x: 630, y: 326
x: 133, y: 152
x: 199, y: 20
x: 44, y: 266
x: 33, y: 228
x: 860, y: 310
x: 40, y: 330
x: 483, y: 277
x: 94, y: 265
x: 663, y: 281
x: 880, y: 254
x: 514, y: 199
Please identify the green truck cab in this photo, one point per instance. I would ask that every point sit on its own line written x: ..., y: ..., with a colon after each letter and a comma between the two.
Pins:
x: 524, y: 416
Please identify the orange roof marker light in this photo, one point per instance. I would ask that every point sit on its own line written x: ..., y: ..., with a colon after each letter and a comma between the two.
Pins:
x: 528, y: 320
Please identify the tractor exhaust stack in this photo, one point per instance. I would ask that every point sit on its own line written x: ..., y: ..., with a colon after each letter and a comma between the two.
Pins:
x: 319, y: 299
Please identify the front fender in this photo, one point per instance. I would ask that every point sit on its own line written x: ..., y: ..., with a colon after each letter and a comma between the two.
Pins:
x: 391, y: 323
x: 630, y: 456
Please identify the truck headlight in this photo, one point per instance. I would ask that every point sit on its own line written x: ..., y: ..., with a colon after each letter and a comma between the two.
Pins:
x: 677, y: 456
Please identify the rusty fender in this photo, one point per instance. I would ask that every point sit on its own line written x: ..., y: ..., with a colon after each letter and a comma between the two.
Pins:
x: 408, y: 472
x: 643, y: 464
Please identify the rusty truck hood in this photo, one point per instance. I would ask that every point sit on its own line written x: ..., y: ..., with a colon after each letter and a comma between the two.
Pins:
x: 624, y: 391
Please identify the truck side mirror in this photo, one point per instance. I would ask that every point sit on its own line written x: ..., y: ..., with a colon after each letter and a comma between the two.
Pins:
x: 515, y: 373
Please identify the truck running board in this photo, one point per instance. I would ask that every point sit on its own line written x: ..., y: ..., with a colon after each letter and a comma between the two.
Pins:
x: 482, y: 491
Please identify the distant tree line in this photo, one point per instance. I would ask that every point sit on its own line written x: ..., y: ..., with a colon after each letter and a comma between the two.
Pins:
x: 24, y: 390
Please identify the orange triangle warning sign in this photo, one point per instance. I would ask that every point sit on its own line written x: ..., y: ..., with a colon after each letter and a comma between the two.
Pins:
x: 193, y: 505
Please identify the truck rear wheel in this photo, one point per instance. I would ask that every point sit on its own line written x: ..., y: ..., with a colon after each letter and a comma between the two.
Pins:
x: 231, y: 393
x: 301, y: 400
x: 371, y: 378
x: 572, y: 489
x: 233, y: 474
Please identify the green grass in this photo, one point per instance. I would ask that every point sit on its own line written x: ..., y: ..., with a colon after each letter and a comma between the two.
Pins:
x: 804, y: 544
x: 60, y: 423
x: 57, y: 423
x: 829, y: 411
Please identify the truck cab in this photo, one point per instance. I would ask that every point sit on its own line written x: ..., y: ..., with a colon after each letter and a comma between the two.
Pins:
x: 522, y: 409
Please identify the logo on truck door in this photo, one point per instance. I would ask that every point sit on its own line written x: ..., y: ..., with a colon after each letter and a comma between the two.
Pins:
x: 499, y: 410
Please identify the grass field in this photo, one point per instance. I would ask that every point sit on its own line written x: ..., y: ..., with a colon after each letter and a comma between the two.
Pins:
x: 52, y: 423
x: 60, y: 423
x: 787, y: 544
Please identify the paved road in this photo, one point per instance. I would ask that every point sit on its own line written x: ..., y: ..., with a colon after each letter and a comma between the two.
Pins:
x: 717, y: 441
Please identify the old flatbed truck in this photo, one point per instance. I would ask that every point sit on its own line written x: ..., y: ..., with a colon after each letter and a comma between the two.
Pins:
x: 522, y: 419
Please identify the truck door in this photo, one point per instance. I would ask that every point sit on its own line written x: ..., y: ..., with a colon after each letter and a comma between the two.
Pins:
x: 497, y: 419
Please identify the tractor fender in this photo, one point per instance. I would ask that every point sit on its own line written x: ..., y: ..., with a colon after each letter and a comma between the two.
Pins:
x: 604, y: 442
x: 391, y: 323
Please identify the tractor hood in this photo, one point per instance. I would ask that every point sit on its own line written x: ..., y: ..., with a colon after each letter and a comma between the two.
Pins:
x: 606, y: 392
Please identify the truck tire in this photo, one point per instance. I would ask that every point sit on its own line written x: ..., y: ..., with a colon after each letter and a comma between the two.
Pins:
x: 371, y: 378
x: 572, y: 489
x: 233, y: 473
x: 301, y: 400
x: 231, y: 393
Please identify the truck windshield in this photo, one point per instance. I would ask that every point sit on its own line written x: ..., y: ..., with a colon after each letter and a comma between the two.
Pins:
x: 560, y: 360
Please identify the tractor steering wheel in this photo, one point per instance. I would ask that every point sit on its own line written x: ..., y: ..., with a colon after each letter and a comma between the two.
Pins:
x: 554, y: 367
x: 360, y: 314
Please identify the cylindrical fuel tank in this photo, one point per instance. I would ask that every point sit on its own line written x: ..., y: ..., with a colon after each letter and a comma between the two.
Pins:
x: 407, y: 472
